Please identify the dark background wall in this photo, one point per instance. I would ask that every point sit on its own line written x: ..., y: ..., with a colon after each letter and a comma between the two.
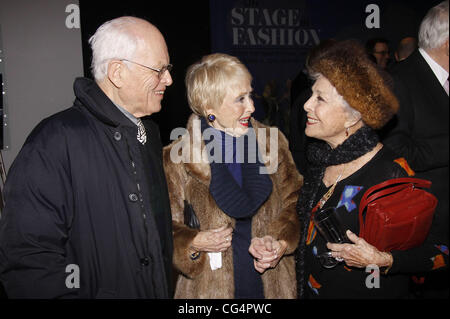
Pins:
x: 186, y: 27
x: 41, y: 56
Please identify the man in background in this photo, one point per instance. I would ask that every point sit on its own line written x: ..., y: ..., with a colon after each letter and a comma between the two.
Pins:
x: 379, y: 48
x: 405, y: 48
x: 421, y: 133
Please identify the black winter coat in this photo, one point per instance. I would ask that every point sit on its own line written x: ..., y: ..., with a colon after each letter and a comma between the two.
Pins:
x: 83, y: 194
x: 420, y: 133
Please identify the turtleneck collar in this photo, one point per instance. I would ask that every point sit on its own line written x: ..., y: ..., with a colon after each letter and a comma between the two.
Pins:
x: 238, y: 194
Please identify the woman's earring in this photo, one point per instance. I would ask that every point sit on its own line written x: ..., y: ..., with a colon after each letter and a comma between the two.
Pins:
x: 346, y: 132
x: 211, y: 118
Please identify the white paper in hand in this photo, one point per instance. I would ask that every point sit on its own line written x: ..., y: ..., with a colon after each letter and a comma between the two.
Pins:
x: 215, y: 260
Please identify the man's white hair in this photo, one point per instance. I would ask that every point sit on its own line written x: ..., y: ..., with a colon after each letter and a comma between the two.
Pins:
x: 112, y: 40
x: 433, y: 30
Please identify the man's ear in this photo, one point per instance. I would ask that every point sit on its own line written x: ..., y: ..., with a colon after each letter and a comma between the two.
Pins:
x: 116, y: 72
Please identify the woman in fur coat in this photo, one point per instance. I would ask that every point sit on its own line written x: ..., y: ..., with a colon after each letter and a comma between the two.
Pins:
x: 233, y: 188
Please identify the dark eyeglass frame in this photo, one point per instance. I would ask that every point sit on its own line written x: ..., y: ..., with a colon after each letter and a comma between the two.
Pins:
x: 160, y: 72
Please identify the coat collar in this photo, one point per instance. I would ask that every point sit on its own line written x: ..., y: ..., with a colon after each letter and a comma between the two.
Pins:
x: 197, y: 164
x: 89, y: 94
x: 429, y: 80
x: 414, y: 72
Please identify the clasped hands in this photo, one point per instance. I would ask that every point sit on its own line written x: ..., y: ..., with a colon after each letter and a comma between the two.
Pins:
x: 266, y: 251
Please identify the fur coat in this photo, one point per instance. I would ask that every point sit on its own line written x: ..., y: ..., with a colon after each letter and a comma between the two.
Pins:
x: 189, y: 181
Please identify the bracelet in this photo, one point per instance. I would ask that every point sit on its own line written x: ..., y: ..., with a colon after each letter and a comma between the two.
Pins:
x: 195, y: 255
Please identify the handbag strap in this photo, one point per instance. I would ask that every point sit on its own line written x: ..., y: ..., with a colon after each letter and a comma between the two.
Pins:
x: 373, y: 193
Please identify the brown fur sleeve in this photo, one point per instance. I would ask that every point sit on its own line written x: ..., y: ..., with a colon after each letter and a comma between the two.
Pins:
x: 182, y: 235
x: 182, y: 239
x: 287, y: 226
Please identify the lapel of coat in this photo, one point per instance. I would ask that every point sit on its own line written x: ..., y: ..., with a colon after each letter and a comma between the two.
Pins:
x: 430, y: 84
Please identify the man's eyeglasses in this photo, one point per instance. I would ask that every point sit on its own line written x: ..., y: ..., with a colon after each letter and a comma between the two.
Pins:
x: 161, y: 71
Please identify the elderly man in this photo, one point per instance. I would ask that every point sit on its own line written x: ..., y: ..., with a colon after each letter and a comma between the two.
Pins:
x: 405, y: 47
x: 421, y: 133
x: 87, y: 213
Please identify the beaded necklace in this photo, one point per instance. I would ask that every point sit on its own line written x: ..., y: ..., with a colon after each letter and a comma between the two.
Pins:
x: 327, y: 195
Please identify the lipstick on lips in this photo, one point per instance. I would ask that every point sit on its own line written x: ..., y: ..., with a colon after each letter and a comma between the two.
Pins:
x: 311, y: 121
x: 244, y: 121
x: 160, y: 93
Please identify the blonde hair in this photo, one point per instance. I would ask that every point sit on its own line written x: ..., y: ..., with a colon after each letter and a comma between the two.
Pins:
x: 208, y: 80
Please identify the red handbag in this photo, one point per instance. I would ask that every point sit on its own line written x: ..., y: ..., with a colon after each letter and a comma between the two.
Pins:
x: 399, y: 214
